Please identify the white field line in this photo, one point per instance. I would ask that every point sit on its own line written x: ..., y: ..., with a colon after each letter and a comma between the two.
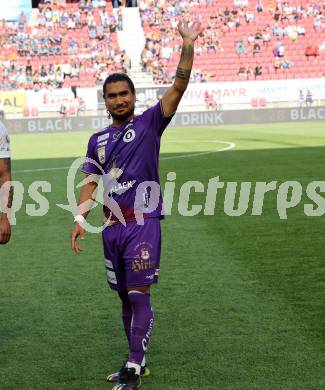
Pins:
x: 230, y: 145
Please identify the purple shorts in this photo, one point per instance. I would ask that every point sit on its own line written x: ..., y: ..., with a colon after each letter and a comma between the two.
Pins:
x: 132, y: 254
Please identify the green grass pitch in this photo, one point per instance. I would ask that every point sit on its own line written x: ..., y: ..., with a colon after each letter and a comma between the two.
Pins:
x: 240, y: 303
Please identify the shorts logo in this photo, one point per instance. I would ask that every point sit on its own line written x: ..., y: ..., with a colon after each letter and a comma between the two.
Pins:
x: 146, y: 339
x: 129, y: 136
x: 101, y: 154
x: 142, y: 265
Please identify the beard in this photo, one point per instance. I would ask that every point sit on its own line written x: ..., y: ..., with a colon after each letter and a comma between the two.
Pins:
x: 122, y: 117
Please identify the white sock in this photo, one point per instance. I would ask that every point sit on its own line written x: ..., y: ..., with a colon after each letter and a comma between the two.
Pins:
x: 134, y: 365
x: 143, y: 363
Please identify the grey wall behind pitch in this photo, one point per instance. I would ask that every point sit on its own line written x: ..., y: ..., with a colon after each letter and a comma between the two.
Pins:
x: 205, y: 118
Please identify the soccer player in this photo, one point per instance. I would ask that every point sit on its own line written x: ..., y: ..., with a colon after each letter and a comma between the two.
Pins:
x: 128, y: 151
x: 5, y: 193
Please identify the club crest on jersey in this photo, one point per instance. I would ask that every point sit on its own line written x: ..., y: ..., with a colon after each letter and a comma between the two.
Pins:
x: 101, y: 154
x: 145, y: 255
x: 129, y: 136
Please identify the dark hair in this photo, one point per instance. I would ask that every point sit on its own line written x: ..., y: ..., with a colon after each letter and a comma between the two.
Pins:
x: 115, y: 77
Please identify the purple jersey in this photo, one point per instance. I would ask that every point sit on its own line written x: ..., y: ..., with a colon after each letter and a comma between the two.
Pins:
x: 127, y: 158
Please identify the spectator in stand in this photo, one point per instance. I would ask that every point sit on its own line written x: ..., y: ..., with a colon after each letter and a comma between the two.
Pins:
x: 311, y: 51
x: 59, y: 77
x: 291, y: 32
x: 249, y: 17
x: 256, y: 49
x: 74, y: 70
x: 309, y: 98
x: 28, y: 68
x: 301, y: 98
x: 22, y: 21
x: 119, y: 20
x: 286, y: 64
x: 100, y: 34
x: 146, y: 59
x: 64, y: 107
x: 242, y: 71
x: 277, y: 64
x: 277, y: 31
x: 258, y: 71
x: 112, y: 25
x: 66, y: 69
x: 209, y: 101
x: 277, y: 14
x: 48, y: 37
x: 72, y: 46
x: 259, y: 6
x: 240, y: 3
x: 249, y: 72
x: 278, y: 50
x: 301, y: 30
x: 240, y: 47
x: 266, y: 37
x: 43, y: 75
x: 318, y: 25
x: 126, y: 62
x: 250, y: 39
x: 258, y: 36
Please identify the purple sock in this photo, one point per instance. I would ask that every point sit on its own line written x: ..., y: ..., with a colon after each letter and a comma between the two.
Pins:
x: 142, y: 325
x: 127, y: 314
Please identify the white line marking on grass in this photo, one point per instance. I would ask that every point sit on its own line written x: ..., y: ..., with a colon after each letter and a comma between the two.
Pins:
x: 41, y: 169
x: 231, y: 145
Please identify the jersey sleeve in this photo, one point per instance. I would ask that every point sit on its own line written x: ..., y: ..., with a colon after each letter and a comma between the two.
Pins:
x: 155, y: 117
x: 4, y: 142
x: 90, y: 166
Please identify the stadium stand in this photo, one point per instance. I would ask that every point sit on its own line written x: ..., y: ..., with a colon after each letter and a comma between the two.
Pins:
x: 63, y: 45
x: 243, y: 39
x: 76, y: 44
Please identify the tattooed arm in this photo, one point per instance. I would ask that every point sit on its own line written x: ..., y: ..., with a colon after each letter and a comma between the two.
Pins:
x: 6, y: 195
x: 173, y: 95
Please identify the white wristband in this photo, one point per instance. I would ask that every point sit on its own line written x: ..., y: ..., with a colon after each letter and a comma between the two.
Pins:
x: 79, y: 218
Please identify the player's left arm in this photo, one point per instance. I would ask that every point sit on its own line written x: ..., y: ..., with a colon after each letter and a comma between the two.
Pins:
x: 6, y: 196
x: 173, y: 95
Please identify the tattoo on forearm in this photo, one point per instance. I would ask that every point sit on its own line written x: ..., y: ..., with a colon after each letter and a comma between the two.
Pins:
x: 187, y: 53
x: 183, y: 74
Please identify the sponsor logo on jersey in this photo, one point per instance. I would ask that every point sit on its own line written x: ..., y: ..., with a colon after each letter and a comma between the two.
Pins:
x: 121, y: 186
x: 101, y: 154
x: 103, y: 143
x: 116, y: 136
x: 103, y: 137
x: 129, y: 136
